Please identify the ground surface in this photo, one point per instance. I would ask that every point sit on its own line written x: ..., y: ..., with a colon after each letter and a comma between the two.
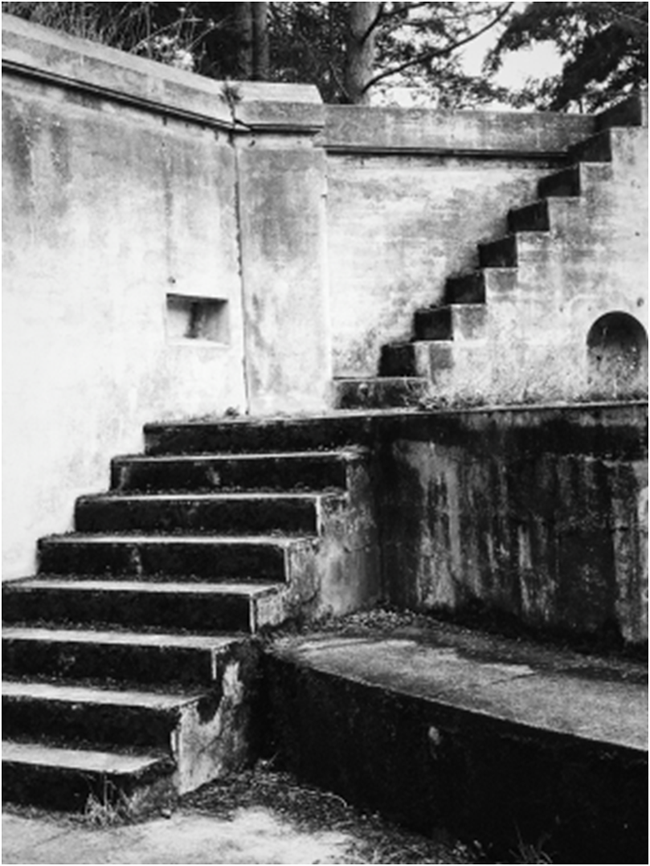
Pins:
x: 260, y: 816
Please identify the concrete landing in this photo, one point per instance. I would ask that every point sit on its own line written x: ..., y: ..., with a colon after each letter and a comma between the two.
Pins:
x: 492, y: 739
x: 569, y: 695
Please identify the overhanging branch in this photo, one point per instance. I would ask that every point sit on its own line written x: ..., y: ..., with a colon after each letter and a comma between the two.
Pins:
x: 438, y: 52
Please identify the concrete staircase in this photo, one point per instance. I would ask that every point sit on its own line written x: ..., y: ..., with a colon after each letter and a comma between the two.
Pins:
x: 130, y: 665
x: 516, y: 327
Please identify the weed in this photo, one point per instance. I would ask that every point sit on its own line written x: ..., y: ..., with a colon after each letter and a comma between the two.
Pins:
x: 110, y: 809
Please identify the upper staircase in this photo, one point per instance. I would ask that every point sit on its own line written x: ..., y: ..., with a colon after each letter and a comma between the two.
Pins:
x: 515, y: 329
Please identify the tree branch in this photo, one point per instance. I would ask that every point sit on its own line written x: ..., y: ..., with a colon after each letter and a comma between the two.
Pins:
x: 437, y: 52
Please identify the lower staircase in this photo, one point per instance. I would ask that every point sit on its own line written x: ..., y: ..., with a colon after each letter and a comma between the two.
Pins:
x: 130, y: 658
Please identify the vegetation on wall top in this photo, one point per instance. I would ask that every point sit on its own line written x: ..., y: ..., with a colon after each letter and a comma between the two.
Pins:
x: 355, y: 51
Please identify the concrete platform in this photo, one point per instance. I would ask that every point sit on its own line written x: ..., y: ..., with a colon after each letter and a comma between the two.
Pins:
x: 488, y: 737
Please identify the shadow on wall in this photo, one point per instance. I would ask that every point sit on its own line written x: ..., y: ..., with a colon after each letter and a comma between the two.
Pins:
x: 617, y: 350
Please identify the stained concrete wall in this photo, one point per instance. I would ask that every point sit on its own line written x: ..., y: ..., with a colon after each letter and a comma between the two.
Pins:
x: 534, y: 515
x: 122, y: 187
x: 411, y: 193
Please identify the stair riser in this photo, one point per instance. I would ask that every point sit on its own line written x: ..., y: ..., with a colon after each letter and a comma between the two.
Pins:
x: 381, y: 394
x: 466, y: 289
x: 534, y: 218
x: 309, y: 434
x: 434, y: 324
x: 598, y: 148
x: 97, y: 725
x: 498, y: 254
x: 144, y: 559
x: 66, y: 790
x: 305, y: 473
x: 226, y: 517
x: 200, y: 612
x: 459, y: 322
x: 130, y: 663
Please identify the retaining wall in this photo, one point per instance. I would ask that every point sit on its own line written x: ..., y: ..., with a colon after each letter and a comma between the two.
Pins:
x: 536, y: 516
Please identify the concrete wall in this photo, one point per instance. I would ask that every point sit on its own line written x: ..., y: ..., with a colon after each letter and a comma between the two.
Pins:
x: 175, y: 247
x: 124, y: 296
x: 537, y: 515
x: 411, y: 193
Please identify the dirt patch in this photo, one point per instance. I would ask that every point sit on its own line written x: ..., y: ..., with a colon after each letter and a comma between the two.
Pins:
x: 311, y: 810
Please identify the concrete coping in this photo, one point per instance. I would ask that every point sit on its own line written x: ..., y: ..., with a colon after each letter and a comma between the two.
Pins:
x: 60, y: 59
x: 350, y: 129
x: 492, y: 133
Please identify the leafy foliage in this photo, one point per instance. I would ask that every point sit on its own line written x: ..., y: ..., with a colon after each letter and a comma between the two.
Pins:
x: 604, y: 47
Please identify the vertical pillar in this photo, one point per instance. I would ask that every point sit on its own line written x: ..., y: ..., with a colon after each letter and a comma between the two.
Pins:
x: 282, y: 218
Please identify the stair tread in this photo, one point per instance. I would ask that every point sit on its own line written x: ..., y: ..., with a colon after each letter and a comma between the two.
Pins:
x: 262, y: 496
x: 37, y: 754
x: 92, y: 695
x: 119, y: 638
x: 228, y: 457
x: 140, y: 537
x: 157, y: 586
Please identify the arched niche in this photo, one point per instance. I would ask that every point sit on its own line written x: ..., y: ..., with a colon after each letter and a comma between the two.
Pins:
x: 617, y: 351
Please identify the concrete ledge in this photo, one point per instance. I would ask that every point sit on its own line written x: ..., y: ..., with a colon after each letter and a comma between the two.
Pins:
x: 350, y: 129
x: 55, y: 57
x: 491, y: 739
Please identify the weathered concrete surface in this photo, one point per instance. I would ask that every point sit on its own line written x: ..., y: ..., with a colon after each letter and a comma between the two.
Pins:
x: 542, y: 519
x: 495, y: 740
x: 349, y: 129
x: 397, y: 227
x: 254, y: 835
x: 537, y: 513
x: 121, y: 200
x: 107, y: 209
x: 284, y: 274
x: 423, y: 189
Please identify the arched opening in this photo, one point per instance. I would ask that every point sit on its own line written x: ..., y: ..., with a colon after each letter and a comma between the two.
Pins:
x: 617, y: 346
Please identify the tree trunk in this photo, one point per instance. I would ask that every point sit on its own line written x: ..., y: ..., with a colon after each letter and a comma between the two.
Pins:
x: 360, y: 53
x: 260, y: 41
x: 245, y: 35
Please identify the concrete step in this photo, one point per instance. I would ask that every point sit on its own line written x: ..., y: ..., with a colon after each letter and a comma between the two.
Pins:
x: 59, y: 778
x: 289, y: 513
x: 203, y: 607
x: 216, y: 558
x: 465, y: 289
x: 152, y: 657
x: 380, y: 393
x: 531, y: 218
x: 432, y: 358
x: 497, y: 741
x: 576, y: 180
x: 597, y: 148
x: 239, y: 436
x: 477, y: 287
x: 298, y: 470
x: 452, y: 322
x: 105, y: 717
x: 501, y: 253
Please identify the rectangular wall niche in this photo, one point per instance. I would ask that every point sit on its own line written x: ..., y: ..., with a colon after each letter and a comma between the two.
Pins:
x: 191, y: 318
